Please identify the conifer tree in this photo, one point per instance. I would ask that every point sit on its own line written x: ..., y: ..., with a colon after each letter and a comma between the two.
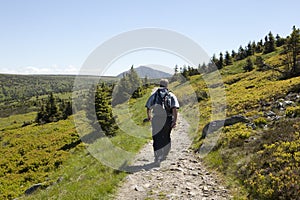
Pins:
x: 259, y: 47
x: 202, y: 68
x: 279, y: 41
x: 214, y: 59
x: 253, y: 46
x: 249, y: 49
x: 220, y: 62
x: 228, y: 58
x: 90, y: 106
x: 292, y: 49
x: 269, y: 45
x: 48, y: 112
x: 176, y: 69
x: 129, y: 85
x: 241, y: 53
x: 184, y: 72
x: 249, y: 65
x: 65, y: 109
x: 103, y: 110
x: 233, y: 54
x: 134, y: 79
x: 51, y: 107
x: 259, y: 63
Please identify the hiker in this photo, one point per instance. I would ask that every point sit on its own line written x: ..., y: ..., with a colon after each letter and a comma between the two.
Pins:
x: 163, y: 104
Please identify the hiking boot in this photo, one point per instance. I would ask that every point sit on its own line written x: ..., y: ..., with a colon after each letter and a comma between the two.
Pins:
x: 157, y: 163
x: 157, y: 160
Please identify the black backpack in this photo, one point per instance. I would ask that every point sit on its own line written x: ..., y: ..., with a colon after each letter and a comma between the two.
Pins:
x: 162, y: 98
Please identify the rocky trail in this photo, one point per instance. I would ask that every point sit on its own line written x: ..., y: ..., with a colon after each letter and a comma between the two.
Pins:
x: 180, y: 176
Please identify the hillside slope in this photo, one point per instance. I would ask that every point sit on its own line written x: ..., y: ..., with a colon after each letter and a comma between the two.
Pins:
x: 262, y: 156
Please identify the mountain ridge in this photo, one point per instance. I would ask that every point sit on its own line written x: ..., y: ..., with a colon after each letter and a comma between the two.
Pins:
x: 149, y: 72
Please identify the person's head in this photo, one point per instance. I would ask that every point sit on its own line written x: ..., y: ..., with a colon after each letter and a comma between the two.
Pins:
x: 164, y: 83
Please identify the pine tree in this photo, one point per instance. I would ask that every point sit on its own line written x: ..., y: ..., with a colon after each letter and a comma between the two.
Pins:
x: 279, y: 41
x: 130, y: 85
x: 103, y: 110
x: 137, y: 89
x: 134, y: 80
x: 228, y: 58
x: 292, y: 49
x: 259, y: 62
x: 220, y: 64
x: 259, y: 47
x: 249, y: 65
x: 202, y: 68
x: 269, y: 45
x: 90, y: 106
x: 233, y: 54
x: 253, y: 46
x: 241, y: 53
x: 184, y: 72
x: 176, y: 69
x: 214, y: 59
x: 65, y: 109
x: 48, y: 112
x: 249, y: 50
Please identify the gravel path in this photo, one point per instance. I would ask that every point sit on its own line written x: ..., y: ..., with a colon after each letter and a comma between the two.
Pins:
x: 180, y: 176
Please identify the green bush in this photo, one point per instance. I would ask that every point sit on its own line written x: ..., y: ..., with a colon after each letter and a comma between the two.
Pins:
x: 201, y: 94
x: 260, y: 122
x: 292, y: 112
x: 274, y: 173
x: 235, y: 135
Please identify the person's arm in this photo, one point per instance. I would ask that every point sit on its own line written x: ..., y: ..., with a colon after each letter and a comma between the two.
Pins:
x: 149, y: 116
x: 175, y: 113
x: 148, y: 106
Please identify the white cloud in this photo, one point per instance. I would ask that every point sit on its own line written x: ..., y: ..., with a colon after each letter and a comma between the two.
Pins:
x: 54, y: 69
x: 71, y: 69
x: 7, y: 71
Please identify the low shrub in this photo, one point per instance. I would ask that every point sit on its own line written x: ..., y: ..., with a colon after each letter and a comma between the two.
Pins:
x: 260, y: 122
x: 274, y: 173
x: 292, y: 112
x: 235, y: 135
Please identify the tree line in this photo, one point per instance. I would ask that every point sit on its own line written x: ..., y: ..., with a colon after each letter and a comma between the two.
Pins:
x: 98, y: 102
x: 53, y: 109
x: 291, y: 52
x: 23, y: 87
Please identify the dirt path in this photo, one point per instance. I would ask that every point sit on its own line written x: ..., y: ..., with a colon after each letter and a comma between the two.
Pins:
x: 180, y: 176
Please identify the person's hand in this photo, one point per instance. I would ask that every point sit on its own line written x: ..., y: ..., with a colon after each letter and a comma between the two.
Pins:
x: 173, y: 125
x: 147, y: 119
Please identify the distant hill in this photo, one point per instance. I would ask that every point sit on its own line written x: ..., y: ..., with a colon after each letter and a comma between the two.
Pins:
x: 151, y: 73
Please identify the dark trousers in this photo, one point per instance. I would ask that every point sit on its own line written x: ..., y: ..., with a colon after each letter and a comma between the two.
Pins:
x: 161, y: 135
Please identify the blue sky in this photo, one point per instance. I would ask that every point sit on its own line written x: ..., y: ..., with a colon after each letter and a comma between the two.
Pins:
x: 57, y: 36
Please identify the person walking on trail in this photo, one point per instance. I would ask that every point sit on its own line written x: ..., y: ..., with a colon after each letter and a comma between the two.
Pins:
x: 163, y: 104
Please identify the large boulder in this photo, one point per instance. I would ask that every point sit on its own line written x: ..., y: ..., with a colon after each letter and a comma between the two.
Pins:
x: 33, y: 188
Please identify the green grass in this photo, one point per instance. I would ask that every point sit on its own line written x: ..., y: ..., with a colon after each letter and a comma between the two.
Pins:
x: 32, y: 153
x: 83, y: 177
x: 16, y: 121
x: 48, y: 153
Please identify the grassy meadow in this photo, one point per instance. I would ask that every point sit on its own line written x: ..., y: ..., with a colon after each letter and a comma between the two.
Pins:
x: 53, y: 155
